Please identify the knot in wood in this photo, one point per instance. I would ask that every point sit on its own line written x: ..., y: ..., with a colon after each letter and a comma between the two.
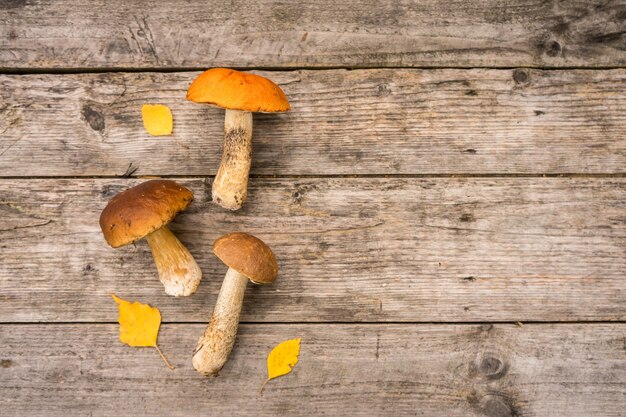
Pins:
x: 520, y: 76
x: 553, y: 48
x: 383, y: 90
x: 93, y: 117
x: 491, y: 367
x: 495, y: 406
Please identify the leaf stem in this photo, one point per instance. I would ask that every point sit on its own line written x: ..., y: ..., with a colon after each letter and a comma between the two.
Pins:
x: 169, y: 365
x: 263, y: 386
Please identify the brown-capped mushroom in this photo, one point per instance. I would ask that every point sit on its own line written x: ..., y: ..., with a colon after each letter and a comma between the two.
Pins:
x: 247, y: 258
x: 240, y: 94
x: 143, y: 211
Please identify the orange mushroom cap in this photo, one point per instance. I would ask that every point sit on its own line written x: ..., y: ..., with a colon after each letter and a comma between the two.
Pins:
x: 237, y: 90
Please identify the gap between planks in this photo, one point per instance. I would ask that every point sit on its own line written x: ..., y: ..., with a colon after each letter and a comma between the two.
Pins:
x: 341, y: 323
x: 320, y: 176
x: 85, y: 70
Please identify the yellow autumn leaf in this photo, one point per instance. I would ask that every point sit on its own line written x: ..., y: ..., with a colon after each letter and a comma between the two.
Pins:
x: 139, y: 324
x: 157, y: 119
x: 282, y: 359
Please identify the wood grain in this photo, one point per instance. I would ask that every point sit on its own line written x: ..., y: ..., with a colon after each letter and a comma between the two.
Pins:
x: 356, y: 370
x: 348, y: 249
x: 339, y: 33
x: 342, y: 122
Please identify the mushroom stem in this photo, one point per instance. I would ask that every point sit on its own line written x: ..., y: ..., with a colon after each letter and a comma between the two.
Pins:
x: 215, y: 345
x: 178, y: 271
x: 230, y: 187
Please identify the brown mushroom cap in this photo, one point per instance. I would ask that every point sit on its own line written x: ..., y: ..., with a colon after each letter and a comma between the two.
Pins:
x: 237, y: 90
x: 139, y: 211
x: 248, y: 255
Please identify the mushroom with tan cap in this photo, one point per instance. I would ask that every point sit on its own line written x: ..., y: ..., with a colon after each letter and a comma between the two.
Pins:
x: 144, y: 211
x: 240, y: 94
x: 247, y: 258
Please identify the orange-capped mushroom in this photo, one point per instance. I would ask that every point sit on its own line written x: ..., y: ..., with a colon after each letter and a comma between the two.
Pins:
x: 240, y: 94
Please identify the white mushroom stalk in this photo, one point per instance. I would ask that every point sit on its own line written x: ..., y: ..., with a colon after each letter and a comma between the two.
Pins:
x: 215, y: 346
x: 178, y: 271
x: 230, y: 187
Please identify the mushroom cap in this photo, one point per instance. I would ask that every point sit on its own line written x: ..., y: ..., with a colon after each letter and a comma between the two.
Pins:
x: 248, y: 255
x: 237, y: 90
x: 140, y: 210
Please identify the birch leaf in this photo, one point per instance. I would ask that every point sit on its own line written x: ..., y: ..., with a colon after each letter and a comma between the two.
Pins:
x: 139, y: 325
x: 157, y: 119
x: 282, y: 359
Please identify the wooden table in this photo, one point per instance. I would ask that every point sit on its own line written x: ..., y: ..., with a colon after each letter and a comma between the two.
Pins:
x: 446, y: 200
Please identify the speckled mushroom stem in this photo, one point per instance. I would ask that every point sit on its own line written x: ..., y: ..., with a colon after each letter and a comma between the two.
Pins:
x: 178, y: 270
x: 230, y: 187
x: 215, y: 345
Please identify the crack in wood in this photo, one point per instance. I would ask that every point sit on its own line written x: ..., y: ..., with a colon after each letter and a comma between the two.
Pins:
x: 27, y: 226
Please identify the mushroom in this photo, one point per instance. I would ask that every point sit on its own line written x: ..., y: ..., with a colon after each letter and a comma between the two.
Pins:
x: 143, y: 211
x: 247, y: 258
x: 240, y: 94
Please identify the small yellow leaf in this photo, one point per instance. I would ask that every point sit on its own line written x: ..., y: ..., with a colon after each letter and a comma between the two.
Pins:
x: 282, y: 359
x: 157, y: 119
x: 139, y: 324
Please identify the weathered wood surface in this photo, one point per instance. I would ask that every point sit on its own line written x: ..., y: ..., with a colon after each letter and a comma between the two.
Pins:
x: 346, y: 33
x: 342, y: 122
x: 353, y: 370
x: 349, y: 249
x: 389, y: 253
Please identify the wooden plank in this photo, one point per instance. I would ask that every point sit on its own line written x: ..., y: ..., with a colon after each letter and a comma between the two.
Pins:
x: 347, y: 33
x: 356, y: 370
x: 349, y: 249
x: 343, y: 122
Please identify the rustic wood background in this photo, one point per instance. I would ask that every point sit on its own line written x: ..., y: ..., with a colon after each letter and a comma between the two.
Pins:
x: 447, y: 202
